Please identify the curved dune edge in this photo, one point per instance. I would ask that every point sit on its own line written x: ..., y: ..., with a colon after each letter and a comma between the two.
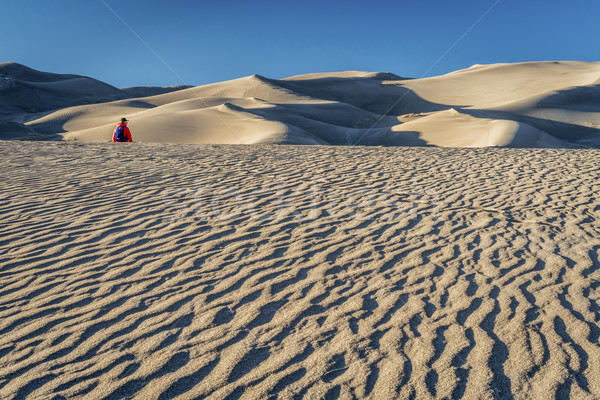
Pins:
x: 440, y: 129
x: 191, y: 271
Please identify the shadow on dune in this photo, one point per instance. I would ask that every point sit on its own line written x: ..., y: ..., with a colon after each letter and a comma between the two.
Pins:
x: 362, y: 111
x: 367, y: 109
x: 579, y: 98
x: 369, y: 93
x: 572, y: 134
x: 343, y: 109
x: 13, y: 130
x: 306, y: 121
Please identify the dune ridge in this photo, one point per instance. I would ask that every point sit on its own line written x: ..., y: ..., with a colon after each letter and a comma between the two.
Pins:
x: 162, y: 271
x: 533, y: 104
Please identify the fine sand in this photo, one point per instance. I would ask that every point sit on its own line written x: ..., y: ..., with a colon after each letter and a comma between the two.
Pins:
x: 533, y: 105
x: 152, y: 271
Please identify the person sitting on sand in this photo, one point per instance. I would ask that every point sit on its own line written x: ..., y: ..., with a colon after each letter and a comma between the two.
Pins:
x: 122, y: 132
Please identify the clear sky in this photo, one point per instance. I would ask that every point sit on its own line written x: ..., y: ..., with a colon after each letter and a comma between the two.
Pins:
x: 198, y: 42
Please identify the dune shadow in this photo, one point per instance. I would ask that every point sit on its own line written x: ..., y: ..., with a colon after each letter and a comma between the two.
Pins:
x: 367, y: 93
x: 578, y: 98
x: 362, y: 113
x: 571, y: 134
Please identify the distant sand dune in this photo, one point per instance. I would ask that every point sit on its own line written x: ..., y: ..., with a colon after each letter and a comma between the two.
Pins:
x: 242, y: 272
x: 534, y: 105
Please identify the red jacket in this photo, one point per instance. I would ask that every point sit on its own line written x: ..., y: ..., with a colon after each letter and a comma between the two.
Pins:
x: 126, y: 131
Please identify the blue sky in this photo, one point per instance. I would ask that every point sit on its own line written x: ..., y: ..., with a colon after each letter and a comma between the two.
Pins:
x: 200, y: 42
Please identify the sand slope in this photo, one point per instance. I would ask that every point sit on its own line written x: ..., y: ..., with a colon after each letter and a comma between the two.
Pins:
x: 25, y: 89
x: 537, y: 104
x: 559, y: 98
x: 452, y: 128
x: 153, y: 271
x: 27, y: 94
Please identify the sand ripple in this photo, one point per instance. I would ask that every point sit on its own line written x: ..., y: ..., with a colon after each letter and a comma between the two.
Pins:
x: 226, y: 272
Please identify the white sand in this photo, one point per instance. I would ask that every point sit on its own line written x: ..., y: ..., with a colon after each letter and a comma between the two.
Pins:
x: 259, y: 272
x: 538, y: 104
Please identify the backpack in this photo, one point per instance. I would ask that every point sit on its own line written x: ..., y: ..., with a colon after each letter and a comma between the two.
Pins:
x: 120, y: 134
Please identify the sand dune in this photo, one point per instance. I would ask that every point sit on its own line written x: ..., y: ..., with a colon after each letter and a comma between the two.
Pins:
x: 441, y: 127
x: 490, y: 86
x: 559, y: 98
x: 55, y: 99
x: 25, y: 89
x: 537, y: 104
x: 164, y: 271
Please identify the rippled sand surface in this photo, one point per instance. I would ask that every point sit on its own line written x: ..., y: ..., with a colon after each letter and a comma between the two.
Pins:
x: 244, y: 272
